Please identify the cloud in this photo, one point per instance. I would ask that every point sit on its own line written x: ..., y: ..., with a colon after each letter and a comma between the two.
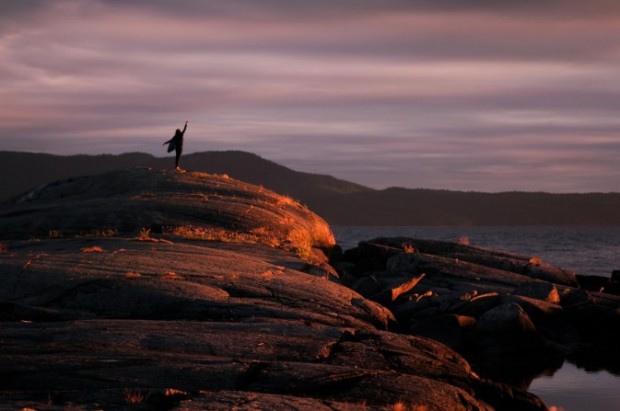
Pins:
x: 453, y: 94
x: 324, y: 8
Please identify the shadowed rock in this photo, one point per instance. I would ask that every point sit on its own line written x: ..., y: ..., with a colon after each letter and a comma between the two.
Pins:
x: 487, y: 303
x: 382, y: 248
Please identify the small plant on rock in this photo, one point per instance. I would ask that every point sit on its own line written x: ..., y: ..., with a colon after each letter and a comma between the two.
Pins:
x: 144, y: 234
x: 132, y: 275
x: 535, y: 261
x: 408, y: 248
x: 93, y: 249
x: 54, y: 234
x: 401, y: 406
x: 135, y: 396
x: 213, y: 234
x: 105, y: 232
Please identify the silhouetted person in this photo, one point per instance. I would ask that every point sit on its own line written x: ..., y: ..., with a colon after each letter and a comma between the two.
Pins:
x: 176, y: 144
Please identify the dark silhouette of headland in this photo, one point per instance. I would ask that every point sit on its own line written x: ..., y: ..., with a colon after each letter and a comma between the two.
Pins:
x: 338, y: 201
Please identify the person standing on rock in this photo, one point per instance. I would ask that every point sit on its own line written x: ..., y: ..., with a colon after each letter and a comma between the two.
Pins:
x: 176, y: 144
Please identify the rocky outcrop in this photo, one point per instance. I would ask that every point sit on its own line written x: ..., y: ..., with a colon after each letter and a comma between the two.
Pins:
x: 489, y: 305
x: 195, y: 206
x: 166, y: 290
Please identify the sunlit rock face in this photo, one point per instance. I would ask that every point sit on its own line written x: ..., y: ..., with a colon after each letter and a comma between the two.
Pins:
x: 190, y: 204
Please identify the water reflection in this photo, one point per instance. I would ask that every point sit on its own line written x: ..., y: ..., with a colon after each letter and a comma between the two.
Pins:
x: 560, y: 384
x: 575, y: 389
x: 518, y: 371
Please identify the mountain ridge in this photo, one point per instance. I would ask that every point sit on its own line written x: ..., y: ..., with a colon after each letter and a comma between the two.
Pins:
x: 340, y: 202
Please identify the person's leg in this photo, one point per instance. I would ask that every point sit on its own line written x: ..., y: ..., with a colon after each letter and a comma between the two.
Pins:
x: 178, y: 152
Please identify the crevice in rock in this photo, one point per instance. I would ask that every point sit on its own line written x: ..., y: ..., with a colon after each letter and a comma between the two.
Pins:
x: 250, y: 376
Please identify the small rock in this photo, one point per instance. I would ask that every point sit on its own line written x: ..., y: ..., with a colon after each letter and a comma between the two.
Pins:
x: 539, y: 290
x: 538, y: 310
x: 366, y: 286
x: 446, y: 328
x: 391, y: 293
x: 478, y: 305
x: 506, y: 320
x: 576, y: 296
x: 371, y: 256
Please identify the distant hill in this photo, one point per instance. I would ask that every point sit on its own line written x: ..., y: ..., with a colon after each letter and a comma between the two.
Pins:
x: 340, y: 202
x: 21, y: 171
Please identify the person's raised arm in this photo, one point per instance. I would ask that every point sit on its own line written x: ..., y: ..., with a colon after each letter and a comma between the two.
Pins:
x: 184, y: 128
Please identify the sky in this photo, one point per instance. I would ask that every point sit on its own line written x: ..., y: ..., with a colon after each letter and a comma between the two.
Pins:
x: 495, y: 95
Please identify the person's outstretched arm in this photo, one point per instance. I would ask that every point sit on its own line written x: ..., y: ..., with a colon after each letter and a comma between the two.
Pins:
x: 184, y: 128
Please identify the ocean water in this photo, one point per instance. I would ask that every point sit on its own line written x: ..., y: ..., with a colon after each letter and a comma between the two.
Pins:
x: 584, y: 250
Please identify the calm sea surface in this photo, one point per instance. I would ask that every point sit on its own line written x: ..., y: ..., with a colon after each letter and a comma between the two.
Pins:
x: 584, y: 250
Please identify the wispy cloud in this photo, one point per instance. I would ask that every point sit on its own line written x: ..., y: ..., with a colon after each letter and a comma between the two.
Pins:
x: 469, y: 95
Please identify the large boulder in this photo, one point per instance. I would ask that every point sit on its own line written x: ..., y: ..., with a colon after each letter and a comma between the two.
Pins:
x: 507, y: 320
x: 457, y: 270
x: 539, y: 290
x: 529, y: 266
x: 506, y: 323
x: 190, y: 205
